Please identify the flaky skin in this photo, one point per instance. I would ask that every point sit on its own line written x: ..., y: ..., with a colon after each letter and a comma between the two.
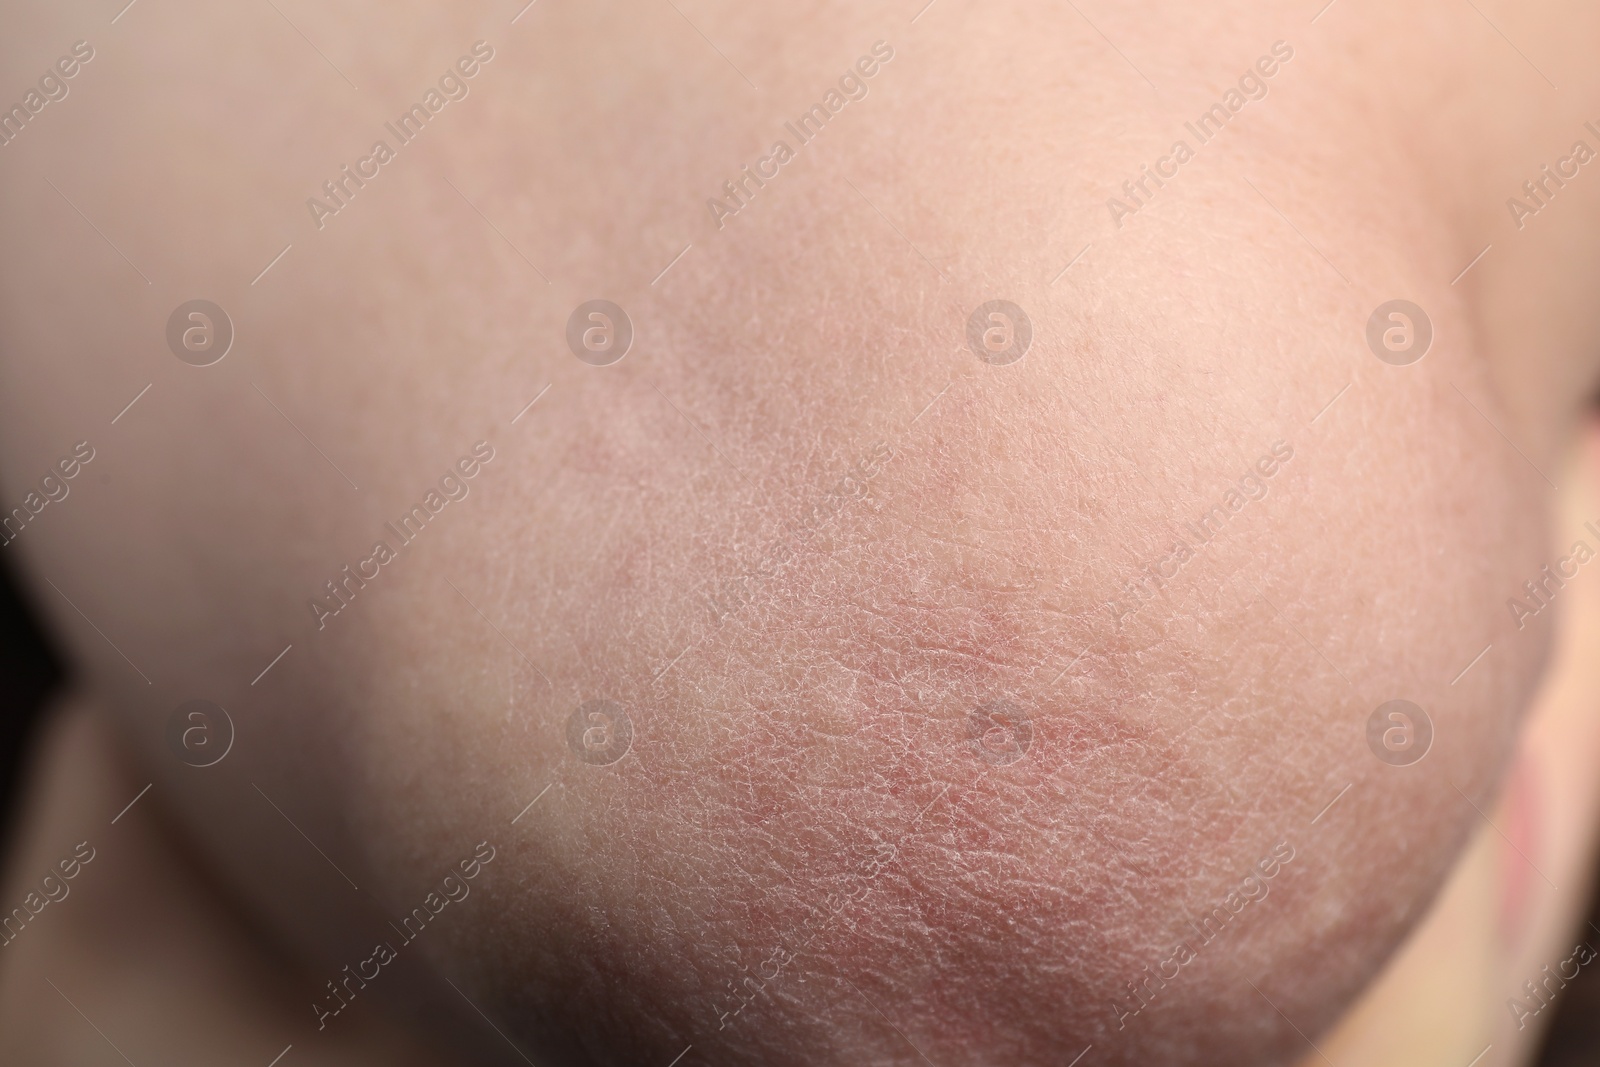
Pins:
x: 923, y: 764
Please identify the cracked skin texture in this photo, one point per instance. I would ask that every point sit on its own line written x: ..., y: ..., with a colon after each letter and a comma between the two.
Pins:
x: 803, y: 805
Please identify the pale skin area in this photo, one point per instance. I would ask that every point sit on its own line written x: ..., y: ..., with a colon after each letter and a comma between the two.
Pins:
x: 781, y: 748
x: 1515, y: 903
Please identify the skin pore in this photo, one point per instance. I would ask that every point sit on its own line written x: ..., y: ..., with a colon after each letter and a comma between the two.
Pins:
x: 825, y: 559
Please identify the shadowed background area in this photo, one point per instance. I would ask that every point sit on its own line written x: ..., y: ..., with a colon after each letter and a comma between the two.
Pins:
x: 30, y: 671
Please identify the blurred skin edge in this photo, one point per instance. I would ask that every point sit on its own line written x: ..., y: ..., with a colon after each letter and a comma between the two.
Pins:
x: 1442, y: 998
x: 142, y: 937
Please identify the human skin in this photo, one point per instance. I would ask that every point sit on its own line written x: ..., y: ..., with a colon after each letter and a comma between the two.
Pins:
x: 1512, y: 913
x: 805, y: 747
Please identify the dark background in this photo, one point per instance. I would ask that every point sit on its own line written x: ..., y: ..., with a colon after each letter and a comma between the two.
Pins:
x: 32, y: 670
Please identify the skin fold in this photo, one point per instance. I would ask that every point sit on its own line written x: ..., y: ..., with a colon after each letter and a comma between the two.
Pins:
x: 916, y: 769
